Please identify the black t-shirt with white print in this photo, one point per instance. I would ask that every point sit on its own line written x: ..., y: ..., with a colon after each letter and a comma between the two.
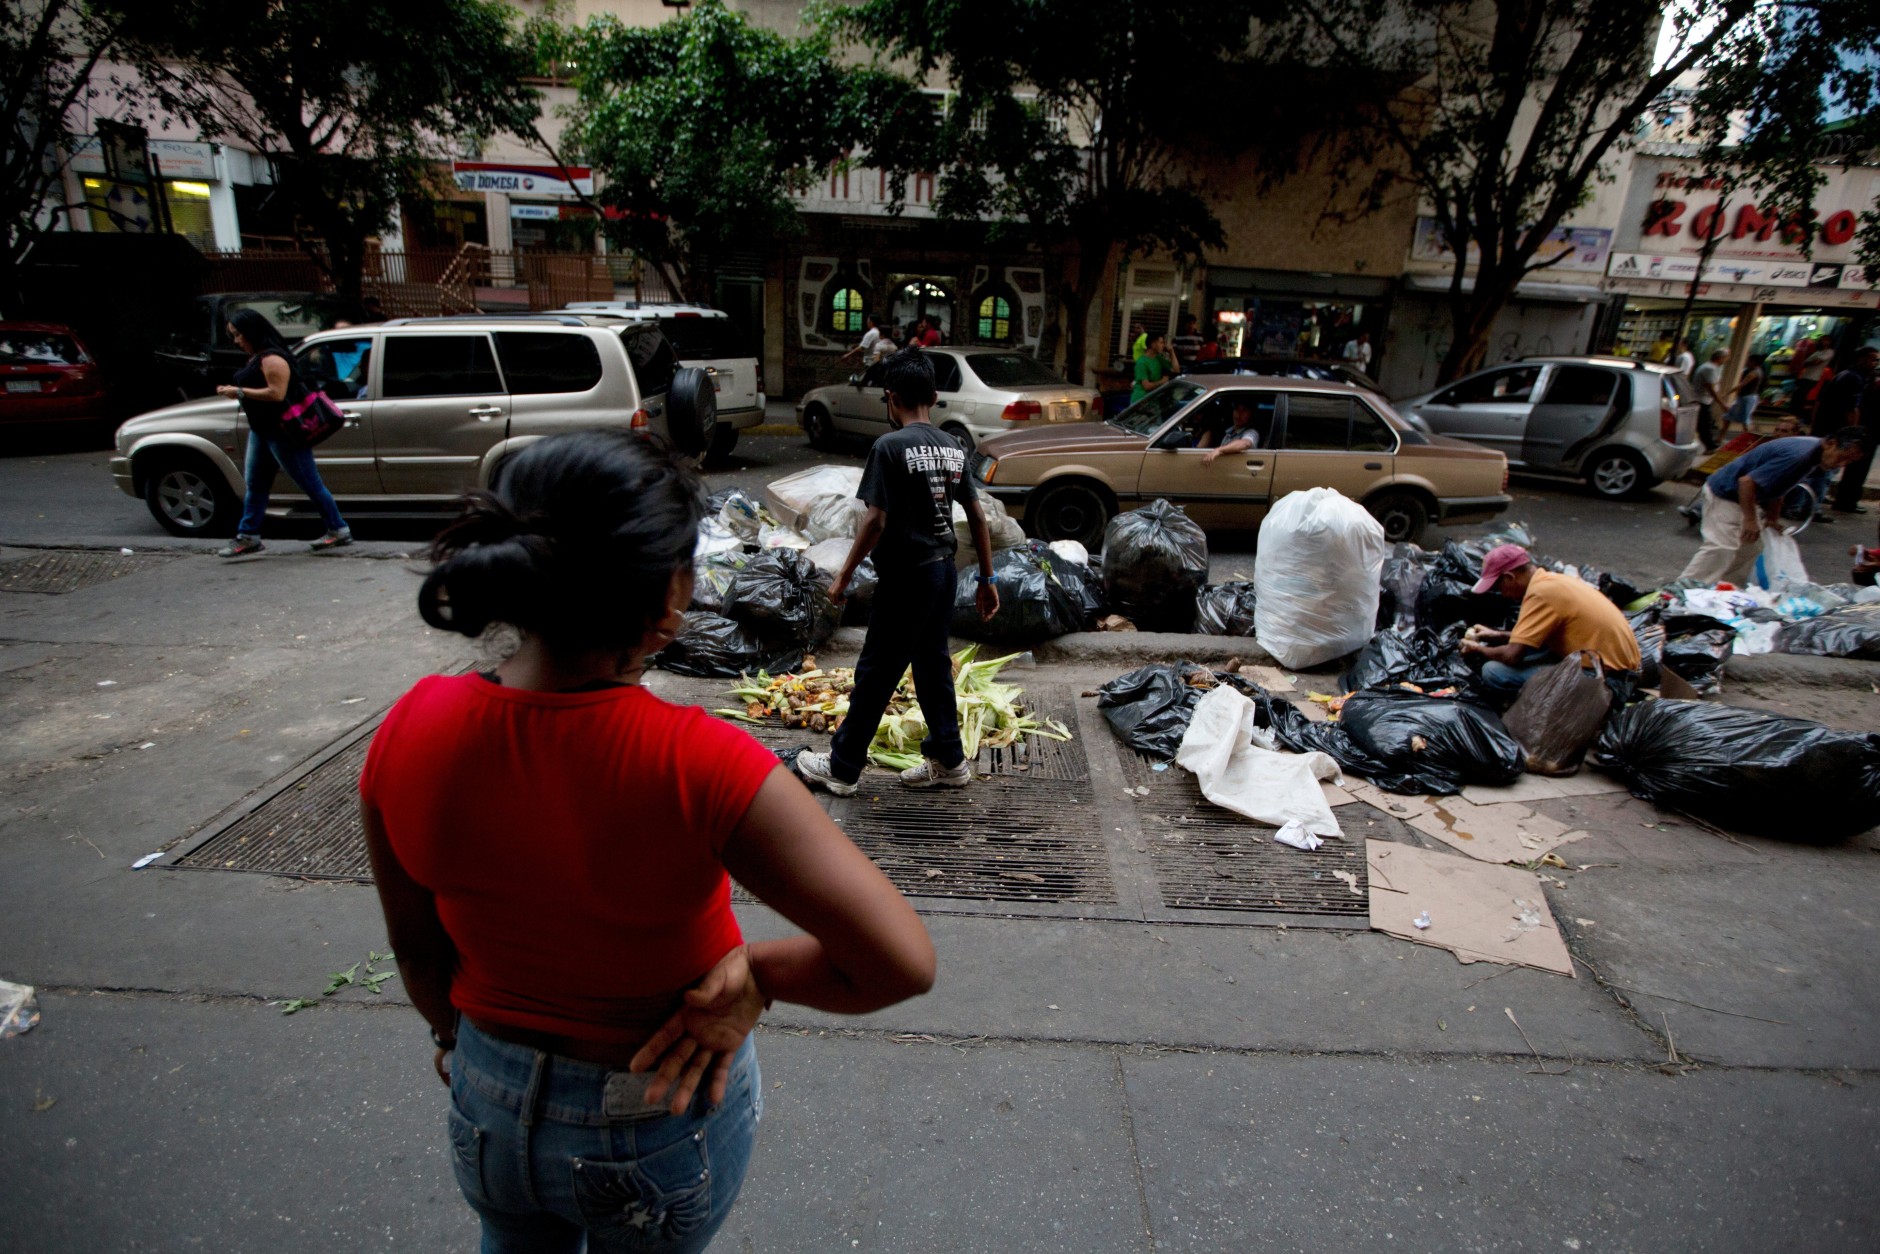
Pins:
x: 915, y: 475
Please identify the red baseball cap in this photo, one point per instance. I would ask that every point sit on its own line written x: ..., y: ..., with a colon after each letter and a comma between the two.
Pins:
x: 1500, y: 560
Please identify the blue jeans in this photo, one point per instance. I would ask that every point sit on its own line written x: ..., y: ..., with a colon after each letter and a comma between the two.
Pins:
x: 909, y: 623
x: 549, y: 1151
x: 1506, y: 679
x: 265, y: 456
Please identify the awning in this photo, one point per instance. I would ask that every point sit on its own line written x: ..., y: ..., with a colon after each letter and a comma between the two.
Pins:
x: 1527, y: 289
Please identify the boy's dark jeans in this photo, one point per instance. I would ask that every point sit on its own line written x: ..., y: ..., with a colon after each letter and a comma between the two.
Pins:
x: 908, y: 625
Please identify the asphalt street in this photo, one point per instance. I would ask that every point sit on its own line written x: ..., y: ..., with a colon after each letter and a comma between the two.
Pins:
x: 1109, y: 1076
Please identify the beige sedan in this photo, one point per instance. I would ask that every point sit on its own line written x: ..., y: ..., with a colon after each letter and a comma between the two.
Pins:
x: 1066, y: 482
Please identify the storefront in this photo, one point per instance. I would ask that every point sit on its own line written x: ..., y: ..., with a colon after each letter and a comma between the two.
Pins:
x: 1755, y: 294
x: 1284, y: 313
x: 191, y: 194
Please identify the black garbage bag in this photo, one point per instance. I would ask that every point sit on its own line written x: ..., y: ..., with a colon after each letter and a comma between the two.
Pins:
x: 780, y: 596
x: 1150, y: 707
x: 1300, y: 734
x: 1618, y: 589
x: 1225, y: 609
x: 1428, y: 659
x: 1441, y: 743
x: 1155, y: 560
x: 1648, y: 628
x: 1399, y: 584
x: 1747, y: 769
x: 1041, y: 595
x: 1696, y: 647
x: 714, y: 646
x: 1853, y: 631
x: 1448, y: 595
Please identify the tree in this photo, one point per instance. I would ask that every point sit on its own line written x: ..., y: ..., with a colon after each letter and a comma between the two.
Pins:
x: 703, y: 126
x: 50, y: 54
x: 356, y: 102
x: 1074, y: 123
x: 1515, y: 109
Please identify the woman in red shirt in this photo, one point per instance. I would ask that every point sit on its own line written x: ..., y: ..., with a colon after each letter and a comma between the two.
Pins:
x: 551, y: 845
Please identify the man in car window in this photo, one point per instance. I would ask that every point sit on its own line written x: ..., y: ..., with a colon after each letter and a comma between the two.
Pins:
x: 914, y: 476
x: 1240, y: 435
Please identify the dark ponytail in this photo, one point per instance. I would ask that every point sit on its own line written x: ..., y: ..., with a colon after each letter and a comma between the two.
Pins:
x: 578, y: 544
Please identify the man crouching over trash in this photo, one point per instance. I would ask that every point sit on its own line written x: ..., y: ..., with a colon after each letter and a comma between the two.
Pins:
x: 914, y: 475
x: 1560, y: 615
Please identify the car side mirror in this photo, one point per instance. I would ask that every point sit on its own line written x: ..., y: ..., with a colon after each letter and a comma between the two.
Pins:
x: 855, y: 381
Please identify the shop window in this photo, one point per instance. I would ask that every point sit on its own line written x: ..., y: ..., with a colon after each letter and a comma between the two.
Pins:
x: 846, y: 313
x: 993, y: 324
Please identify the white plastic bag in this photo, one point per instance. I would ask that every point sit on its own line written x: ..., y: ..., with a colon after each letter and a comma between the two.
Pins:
x: 1239, y: 768
x: 1780, y: 562
x: 1004, y: 529
x: 715, y: 537
x: 1071, y: 551
x: 834, y: 517
x: 1315, y: 578
x: 769, y: 537
x: 829, y: 555
x: 790, y: 497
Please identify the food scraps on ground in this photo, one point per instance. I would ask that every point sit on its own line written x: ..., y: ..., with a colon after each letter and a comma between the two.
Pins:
x: 991, y: 714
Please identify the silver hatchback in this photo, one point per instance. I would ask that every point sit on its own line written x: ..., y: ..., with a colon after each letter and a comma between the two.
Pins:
x: 1623, y: 426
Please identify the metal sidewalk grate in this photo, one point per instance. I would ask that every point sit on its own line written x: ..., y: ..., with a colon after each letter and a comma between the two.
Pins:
x: 309, y: 828
x: 59, y: 572
x: 1004, y: 839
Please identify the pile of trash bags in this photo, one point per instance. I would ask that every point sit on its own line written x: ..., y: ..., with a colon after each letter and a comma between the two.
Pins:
x: 1316, y: 581
x: 1852, y: 631
x: 755, y: 610
x: 1832, y: 620
x: 1226, y: 609
x: 1428, y: 659
x: 1155, y: 561
x: 1042, y: 593
x: 1750, y: 770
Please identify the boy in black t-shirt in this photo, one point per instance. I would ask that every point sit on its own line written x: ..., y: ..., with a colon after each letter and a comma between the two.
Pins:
x: 914, y: 475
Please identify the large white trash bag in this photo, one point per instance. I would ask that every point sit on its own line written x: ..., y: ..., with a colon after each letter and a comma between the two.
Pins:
x: 1315, y: 578
x: 1240, y: 767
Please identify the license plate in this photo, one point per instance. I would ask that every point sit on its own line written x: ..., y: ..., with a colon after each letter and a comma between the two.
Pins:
x: 22, y: 385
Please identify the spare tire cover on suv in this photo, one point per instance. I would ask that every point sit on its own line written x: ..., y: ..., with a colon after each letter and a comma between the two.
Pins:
x: 691, y: 410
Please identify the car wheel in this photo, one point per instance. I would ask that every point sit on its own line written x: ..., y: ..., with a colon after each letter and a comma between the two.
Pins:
x: 818, y: 426
x: 1402, y: 515
x: 1069, y: 511
x: 724, y: 439
x: 691, y: 411
x: 1619, y: 473
x: 959, y: 432
x: 188, y: 498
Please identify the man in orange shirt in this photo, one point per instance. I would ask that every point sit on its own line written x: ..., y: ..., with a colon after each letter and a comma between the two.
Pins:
x: 1560, y: 615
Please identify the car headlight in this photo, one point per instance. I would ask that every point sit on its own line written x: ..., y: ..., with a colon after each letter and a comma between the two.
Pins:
x: 985, y: 468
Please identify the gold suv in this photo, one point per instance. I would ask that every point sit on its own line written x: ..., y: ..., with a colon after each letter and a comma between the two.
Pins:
x: 1066, y: 482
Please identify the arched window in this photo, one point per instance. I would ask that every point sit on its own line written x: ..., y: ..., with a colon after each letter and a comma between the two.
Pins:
x: 845, y: 309
x: 993, y: 324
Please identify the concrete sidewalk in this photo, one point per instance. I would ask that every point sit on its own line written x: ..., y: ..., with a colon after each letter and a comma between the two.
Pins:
x: 1129, y: 1082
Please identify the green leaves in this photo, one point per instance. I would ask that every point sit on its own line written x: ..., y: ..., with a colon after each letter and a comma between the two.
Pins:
x: 372, y: 981
x: 336, y: 980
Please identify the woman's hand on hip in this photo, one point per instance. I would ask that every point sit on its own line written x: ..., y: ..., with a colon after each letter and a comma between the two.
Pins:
x: 704, y: 1034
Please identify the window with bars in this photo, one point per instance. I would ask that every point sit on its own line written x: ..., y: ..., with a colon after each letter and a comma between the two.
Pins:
x: 845, y: 309
x: 995, y: 320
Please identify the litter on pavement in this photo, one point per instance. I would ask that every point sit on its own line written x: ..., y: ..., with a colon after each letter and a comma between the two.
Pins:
x: 1239, y: 767
x: 19, y: 1009
x: 1478, y: 912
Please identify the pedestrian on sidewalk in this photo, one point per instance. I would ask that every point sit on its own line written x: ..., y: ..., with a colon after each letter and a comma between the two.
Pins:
x: 1686, y: 361
x: 1865, y: 413
x: 1745, y: 399
x: 551, y: 844
x: 1707, y: 380
x: 914, y: 476
x: 1746, y: 495
x: 876, y: 344
x: 1560, y: 616
x: 266, y: 385
x: 1152, y: 369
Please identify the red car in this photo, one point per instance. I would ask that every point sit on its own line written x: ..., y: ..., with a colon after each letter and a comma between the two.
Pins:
x: 46, y: 375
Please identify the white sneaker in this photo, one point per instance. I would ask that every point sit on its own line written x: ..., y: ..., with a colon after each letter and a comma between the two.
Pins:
x: 817, y: 769
x: 930, y: 774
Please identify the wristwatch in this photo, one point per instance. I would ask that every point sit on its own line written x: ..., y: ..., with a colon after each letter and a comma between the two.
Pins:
x: 987, y: 580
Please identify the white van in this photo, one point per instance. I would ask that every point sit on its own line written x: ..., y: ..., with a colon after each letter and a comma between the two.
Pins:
x: 706, y: 338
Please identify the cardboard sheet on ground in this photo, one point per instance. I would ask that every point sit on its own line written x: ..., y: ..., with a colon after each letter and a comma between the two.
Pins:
x: 1240, y: 769
x: 1499, y: 833
x: 1587, y: 783
x: 1478, y: 912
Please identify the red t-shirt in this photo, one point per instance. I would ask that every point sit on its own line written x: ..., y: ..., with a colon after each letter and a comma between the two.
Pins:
x: 929, y: 338
x: 572, y: 843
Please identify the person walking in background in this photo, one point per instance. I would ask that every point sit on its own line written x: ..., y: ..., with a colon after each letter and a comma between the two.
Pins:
x: 1745, y: 496
x: 1686, y: 360
x: 1187, y: 342
x: 1153, y: 368
x: 266, y: 385
x: 1838, y: 399
x: 1866, y: 413
x: 865, y: 351
x: 1746, y: 397
x: 914, y: 476
x: 927, y: 335
x: 1358, y: 352
x: 1707, y: 380
x: 550, y: 844
x: 1138, y: 341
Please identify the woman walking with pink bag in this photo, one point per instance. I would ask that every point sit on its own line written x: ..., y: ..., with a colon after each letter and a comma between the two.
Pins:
x: 267, y: 386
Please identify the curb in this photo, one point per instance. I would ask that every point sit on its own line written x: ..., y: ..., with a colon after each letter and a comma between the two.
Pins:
x: 1122, y: 649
